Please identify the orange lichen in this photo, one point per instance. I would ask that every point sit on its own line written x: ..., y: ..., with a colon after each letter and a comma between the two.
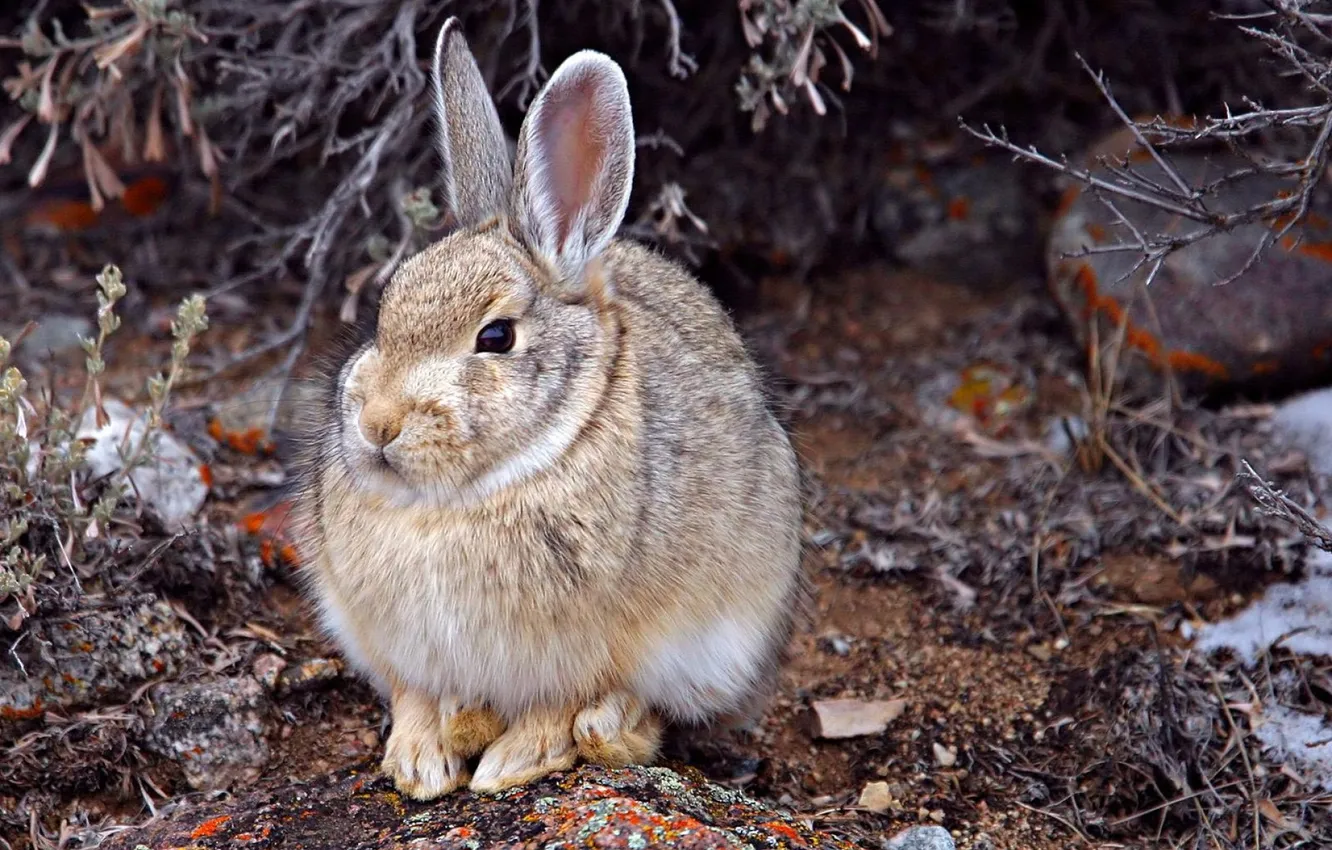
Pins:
x: 251, y: 441
x: 1136, y: 337
x: 253, y: 523
x: 289, y: 555
x: 1188, y: 361
x: 206, y: 475
x: 266, y: 552
x: 959, y: 209
x: 1066, y: 200
x: 784, y: 830
x: 1266, y: 367
x: 247, y: 837
x: 57, y: 210
x: 1317, y: 250
x: 209, y: 827
x: 143, y: 197
x: 30, y: 713
x: 63, y: 215
x: 1144, y: 342
x: 1095, y: 231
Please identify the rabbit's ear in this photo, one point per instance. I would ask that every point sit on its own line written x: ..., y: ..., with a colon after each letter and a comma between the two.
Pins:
x: 477, y: 172
x: 575, y: 163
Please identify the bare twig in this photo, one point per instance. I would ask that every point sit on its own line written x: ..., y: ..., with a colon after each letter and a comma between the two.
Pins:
x: 1273, y: 503
x: 1203, y: 203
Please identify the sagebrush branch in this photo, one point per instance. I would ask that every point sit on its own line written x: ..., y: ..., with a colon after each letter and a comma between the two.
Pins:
x: 1273, y: 503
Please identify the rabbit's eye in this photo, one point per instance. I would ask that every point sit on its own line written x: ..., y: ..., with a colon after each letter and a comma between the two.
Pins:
x: 496, y: 337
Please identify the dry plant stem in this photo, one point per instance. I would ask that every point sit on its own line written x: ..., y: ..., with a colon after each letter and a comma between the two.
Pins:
x: 1273, y: 503
x: 1038, y: 546
x: 1142, y: 486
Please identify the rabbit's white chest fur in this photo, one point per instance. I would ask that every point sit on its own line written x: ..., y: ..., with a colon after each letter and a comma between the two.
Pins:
x: 482, y: 616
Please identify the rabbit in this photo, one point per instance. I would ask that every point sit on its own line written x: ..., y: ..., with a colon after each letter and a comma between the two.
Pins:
x: 548, y: 508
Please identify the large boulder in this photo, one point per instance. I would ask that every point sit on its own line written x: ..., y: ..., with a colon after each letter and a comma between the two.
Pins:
x: 1270, y: 328
x: 640, y: 807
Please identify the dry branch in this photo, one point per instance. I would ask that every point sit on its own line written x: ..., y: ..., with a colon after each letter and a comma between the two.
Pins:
x: 1274, y: 503
x: 1302, y: 169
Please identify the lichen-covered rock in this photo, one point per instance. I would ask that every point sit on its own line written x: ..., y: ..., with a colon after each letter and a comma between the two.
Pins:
x: 635, y: 808
x: 102, y: 654
x: 922, y: 838
x: 216, y: 729
x: 973, y: 223
x: 1271, y: 325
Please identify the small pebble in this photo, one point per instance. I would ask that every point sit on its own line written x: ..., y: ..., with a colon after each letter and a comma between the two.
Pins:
x: 945, y: 756
x: 876, y: 797
x: 309, y: 675
x: 836, y: 644
x: 921, y: 838
x: 852, y: 718
x: 267, y: 668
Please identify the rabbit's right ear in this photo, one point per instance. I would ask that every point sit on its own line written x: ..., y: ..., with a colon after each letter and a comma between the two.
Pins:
x: 477, y: 171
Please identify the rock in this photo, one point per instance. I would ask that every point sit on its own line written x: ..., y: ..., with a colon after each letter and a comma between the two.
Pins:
x: 945, y: 756
x: 56, y: 334
x: 308, y: 675
x: 876, y: 797
x: 853, y: 718
x: 97, y: 657
x: 215, y: 729
x: 640, y: 807
x: 267, y: 668
x: 966, y: 221
x: 1270, y: 326
x: 242, y: 421
x: 921, y: 838
x: 170, y: 483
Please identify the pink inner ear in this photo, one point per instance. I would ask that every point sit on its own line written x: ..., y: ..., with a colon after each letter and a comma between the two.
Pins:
x: 574, y: 152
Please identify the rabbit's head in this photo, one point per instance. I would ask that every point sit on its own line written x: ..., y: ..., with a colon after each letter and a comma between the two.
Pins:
x: 493, y: 345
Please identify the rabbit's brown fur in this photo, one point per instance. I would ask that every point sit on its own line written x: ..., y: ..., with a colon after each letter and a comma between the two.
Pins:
x: 542, y: 553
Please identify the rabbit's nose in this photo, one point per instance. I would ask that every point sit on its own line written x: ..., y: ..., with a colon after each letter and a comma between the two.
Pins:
x: 381, y: 422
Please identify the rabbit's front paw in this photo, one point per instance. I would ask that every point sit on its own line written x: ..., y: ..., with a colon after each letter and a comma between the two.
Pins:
x: 430, y: 742
x: 617, y: 731
x: 537, y: 743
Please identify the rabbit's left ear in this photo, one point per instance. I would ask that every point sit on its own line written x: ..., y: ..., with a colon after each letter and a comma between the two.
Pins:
x: 475, y: 155
x: 575, y: 163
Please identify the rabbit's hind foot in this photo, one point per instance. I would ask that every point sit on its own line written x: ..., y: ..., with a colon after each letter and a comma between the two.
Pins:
x: 617, y: 731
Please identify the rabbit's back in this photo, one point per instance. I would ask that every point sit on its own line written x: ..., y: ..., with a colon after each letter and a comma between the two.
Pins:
x: 720, y: 499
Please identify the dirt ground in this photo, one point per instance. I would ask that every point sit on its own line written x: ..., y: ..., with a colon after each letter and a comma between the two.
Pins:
x: 1018, y: 603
